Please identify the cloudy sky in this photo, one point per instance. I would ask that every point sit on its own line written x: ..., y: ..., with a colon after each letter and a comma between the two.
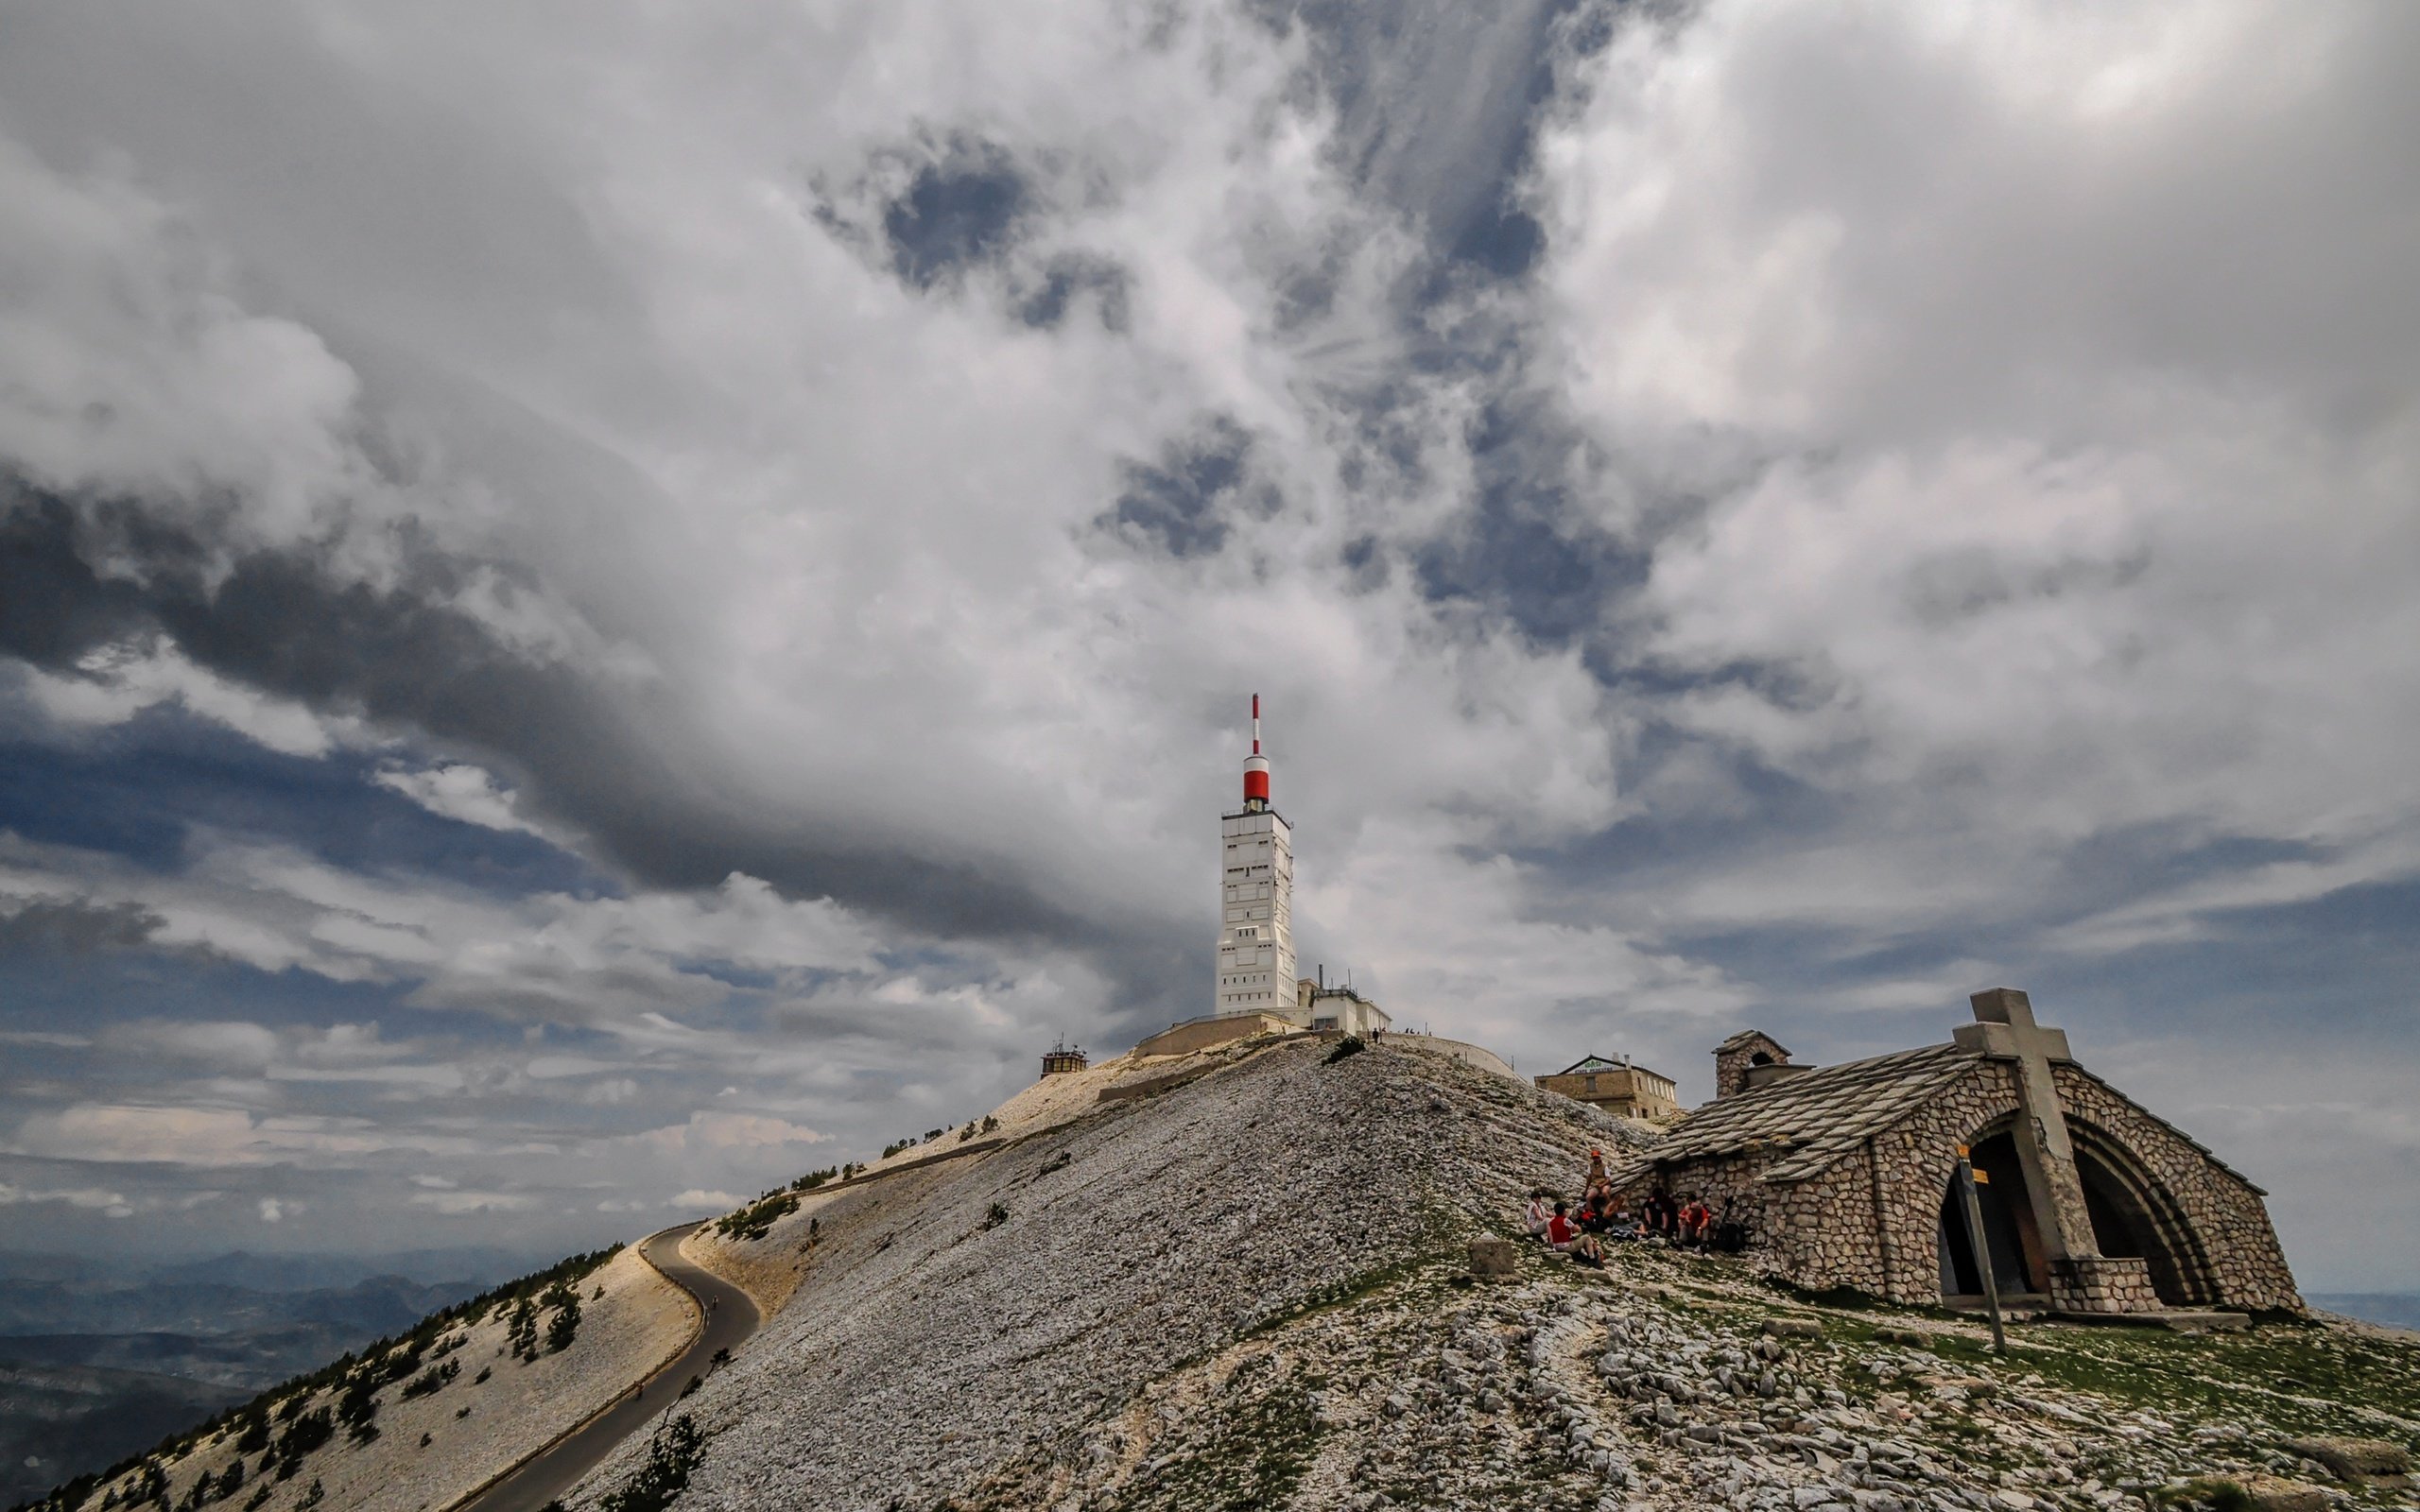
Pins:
x: 601, y: 608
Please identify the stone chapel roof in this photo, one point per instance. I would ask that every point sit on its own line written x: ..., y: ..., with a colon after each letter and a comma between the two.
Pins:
x: 1828, y: 1111
x: 1820, y: 1114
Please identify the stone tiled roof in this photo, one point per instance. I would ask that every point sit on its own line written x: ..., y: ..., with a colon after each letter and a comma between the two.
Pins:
x: 1818, y: 1115
x: 1742, y: 1038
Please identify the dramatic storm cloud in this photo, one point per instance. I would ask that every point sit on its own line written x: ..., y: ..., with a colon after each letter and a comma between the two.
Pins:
x: 598, y: 608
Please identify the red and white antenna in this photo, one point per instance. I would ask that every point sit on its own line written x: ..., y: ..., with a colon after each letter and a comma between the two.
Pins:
x: 1256, y: 766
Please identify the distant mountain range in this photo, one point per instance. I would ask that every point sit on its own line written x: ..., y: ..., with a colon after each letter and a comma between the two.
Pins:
x: 273, y: 1272
x: 2399, y: 1309
x: 100, y: 1358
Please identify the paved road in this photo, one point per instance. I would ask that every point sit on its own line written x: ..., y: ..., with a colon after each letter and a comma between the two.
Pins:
x: 730, y: 1318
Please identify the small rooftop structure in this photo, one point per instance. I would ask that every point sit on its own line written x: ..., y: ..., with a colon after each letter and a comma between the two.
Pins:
x: 1616, y: 1086
x: 1063, y: 1057
x: 1750, y: 1060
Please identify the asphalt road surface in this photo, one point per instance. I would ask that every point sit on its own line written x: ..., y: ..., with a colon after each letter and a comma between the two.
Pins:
x: 730, y: 1318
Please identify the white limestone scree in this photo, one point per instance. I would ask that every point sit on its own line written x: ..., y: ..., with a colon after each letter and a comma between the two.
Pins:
x: 1255, y: 897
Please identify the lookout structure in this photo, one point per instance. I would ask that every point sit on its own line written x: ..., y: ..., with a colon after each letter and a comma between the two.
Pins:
x: 1840, y: 1176
x: 1256, y: 898
x: 1062, y: 1058
x: 1257, y: 992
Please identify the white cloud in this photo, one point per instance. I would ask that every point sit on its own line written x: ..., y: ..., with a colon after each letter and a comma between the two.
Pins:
x: 120, y: 680
x: 109, y: 1204
x: 132, y: 375
x: 231, y: 1045
x: 550, y: 956
x: 199, y: 1136
x: 695, y: 1197
x: 708, y: 1131
x: 462, y: 1203
x: 459, y: 791
x: 2088, y: 500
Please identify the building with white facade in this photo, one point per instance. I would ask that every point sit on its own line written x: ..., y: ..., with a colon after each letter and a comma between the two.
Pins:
x: 1257, y: 992
x: 1256, y: 898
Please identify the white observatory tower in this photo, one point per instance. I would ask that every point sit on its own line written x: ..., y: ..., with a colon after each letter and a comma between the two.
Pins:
x: 1256, y: 898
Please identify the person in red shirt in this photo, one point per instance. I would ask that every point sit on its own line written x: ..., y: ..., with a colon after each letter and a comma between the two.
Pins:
x: 1560, y: 1234
x: 1697, y: 1222
x: 1567, y: 1239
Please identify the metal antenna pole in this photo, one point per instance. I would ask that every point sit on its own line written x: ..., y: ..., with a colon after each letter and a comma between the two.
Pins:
x: 1966, y: 1178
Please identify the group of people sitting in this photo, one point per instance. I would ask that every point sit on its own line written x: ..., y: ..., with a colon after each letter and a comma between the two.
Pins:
x: 1602, y: 1215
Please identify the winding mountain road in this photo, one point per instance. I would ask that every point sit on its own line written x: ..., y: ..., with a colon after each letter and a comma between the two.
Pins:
x: 730, y: 1318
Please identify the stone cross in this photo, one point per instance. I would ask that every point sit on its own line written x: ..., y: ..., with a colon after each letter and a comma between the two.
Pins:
x: 2004, y: 1029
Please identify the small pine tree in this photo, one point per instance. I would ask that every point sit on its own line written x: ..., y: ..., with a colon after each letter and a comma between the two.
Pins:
x: 564, y: 1327
x: 525, y: 1330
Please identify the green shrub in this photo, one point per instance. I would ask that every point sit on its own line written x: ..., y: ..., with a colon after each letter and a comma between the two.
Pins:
x: 756, y: 1220
x: 671, y: 1455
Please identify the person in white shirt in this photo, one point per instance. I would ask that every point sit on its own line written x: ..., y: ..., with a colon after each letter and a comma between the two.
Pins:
x: 1538, y: 1215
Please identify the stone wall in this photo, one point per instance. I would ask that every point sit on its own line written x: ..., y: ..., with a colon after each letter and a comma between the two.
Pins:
x: 2228, y: 1235
x: 2103, y: 1283
x: 1196, y: 1034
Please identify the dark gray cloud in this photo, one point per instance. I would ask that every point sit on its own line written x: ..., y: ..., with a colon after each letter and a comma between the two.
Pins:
x: 1066, y: 282
x: 404, y: 656
x: 43, y: 927
x: 1201, y: 489
x: 961, y: 210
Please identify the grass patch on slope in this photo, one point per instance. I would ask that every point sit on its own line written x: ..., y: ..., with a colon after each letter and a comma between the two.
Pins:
x: 1262, y: 1446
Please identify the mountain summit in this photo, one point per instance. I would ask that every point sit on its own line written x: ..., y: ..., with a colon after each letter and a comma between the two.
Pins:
x: 1247, y: 1277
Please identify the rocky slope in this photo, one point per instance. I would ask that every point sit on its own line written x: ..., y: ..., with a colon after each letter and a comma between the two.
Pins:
x: 1251, y: 1290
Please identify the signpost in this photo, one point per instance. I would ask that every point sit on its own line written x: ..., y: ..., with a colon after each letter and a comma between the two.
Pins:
x: 1968, y: 1178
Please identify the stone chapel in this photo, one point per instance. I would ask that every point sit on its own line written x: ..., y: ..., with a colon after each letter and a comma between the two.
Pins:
x: 1840, y: 1176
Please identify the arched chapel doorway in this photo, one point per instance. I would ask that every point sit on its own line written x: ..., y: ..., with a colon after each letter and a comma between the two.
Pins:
x: 2018, y: 1268
x: 2133, y: 1216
